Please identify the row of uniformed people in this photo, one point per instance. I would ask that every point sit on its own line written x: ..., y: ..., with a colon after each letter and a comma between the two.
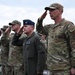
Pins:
x: 22, y: 52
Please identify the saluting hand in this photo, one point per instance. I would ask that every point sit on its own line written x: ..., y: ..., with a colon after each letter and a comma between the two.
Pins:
x: 20, y: 31
x: 8, y: 30
x: 43, y: 15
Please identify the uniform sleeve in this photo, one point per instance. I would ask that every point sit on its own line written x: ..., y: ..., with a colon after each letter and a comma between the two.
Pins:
x: 70, y: 34
x: 16, y: 41
x: 40, y: 28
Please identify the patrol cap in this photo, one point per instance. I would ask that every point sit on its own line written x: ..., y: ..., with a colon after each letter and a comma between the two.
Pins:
x: 15, y: 22
x: 55, y: 6
x: 28, y: 22
x: 4, y: 27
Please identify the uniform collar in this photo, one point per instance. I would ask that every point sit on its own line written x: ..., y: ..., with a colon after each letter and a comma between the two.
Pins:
x: 58, y: 24
x: 31, y: 35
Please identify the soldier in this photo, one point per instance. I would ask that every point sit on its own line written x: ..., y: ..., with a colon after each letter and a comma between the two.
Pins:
x: 33, y: 50
x: 15, y: 59
x: 4, y: 52
x: 61, y: 41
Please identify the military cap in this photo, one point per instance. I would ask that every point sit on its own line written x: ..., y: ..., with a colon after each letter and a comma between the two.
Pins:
x: 15, y: 22
x: 28, y: 22
x: 4, y: 27
x: 55, y: 6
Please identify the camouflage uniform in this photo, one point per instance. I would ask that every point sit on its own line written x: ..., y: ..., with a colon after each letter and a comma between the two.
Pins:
x: 15, y: 60
x: 61, y: 46
x: 4, y: 52
x: 4, y: 55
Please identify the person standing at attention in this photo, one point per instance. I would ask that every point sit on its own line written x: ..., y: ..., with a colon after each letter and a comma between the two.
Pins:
x: 15, y: 56
x: 33, y: 49
x: 5, y: 51
x: 61, y: 41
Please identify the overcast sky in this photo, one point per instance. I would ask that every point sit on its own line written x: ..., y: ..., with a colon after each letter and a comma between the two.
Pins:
x: 32, y: 9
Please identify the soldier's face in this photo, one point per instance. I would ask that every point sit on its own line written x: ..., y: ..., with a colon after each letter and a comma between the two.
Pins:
x: 15, y: 27
x: 27, y: 29
x: 54, y: 13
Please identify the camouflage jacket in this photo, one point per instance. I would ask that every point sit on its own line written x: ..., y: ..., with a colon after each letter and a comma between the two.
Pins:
x: 4, y: 50
x: 15, y: 55
x: 61, y: 44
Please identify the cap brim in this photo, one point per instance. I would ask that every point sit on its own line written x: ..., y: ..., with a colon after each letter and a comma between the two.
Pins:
x: 47, y: 8
x: 10, y: 24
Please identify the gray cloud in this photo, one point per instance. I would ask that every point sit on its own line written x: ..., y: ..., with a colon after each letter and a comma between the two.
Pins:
x: 8, y: 13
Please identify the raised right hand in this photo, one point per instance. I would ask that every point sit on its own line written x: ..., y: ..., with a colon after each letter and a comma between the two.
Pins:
x: 20, y: 31
x: 43, y: 15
